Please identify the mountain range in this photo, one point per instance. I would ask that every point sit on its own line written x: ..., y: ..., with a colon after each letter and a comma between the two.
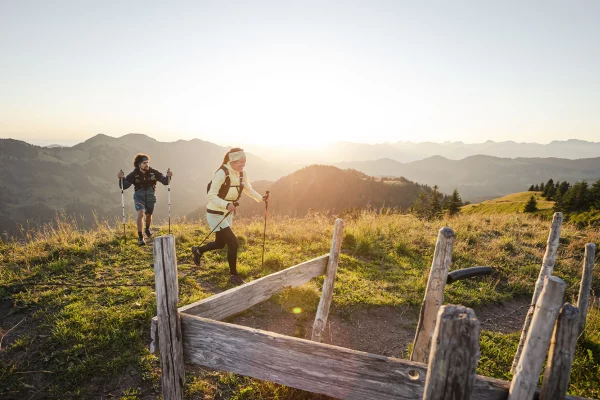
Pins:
x: 406, y: 152
x: 82, y: 180
x: 481, y: 177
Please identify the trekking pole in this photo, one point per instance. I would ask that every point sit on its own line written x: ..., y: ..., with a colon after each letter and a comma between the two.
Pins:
x: 265, y: 230
x: 169, y: 197
x: 211, y: 232
x: 123, y: 204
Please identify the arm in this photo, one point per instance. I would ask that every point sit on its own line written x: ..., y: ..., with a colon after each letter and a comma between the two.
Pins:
x: 128, y: 181
x: 249, y: 190
x: 164, y: 179
x: 213, y: 194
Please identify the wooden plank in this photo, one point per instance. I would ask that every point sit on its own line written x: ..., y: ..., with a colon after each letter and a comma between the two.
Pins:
x: 239, y: 299
x: 434, y: 295
x: 169, y: 324
x: 327, y: 293
x: 546, y: 270
x: 586, y: 285
x: 562, y: 351
x: 454, y: 355
x: 312, y: 366
x: 529, y: 367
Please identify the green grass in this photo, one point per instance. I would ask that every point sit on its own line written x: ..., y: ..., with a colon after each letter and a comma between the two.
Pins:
x: 90, y: 337
x: 510, y: 204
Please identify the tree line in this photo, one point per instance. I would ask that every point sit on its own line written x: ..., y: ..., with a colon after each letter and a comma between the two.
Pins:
x: 431, y: 204
x: 579, y: 197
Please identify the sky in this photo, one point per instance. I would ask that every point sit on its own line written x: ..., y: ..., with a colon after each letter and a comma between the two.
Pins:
x: 300, y: 73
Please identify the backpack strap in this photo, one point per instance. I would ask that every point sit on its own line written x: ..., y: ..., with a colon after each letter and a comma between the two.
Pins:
x: 224, y: 189
x: 227, y: 184
x: 240, y: 187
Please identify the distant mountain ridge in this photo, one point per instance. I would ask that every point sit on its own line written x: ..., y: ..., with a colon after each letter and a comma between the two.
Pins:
x: 38, y: 181
x: 408, y: 151
x: 82, y: 179
x: 481, y: 177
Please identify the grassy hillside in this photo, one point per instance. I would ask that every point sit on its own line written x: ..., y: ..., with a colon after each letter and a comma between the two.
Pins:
x: 510, y: 204
x: 326, y: 188
x: 76, y: 306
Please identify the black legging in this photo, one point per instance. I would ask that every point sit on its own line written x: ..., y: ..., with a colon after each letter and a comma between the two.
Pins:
x: 225, y: 237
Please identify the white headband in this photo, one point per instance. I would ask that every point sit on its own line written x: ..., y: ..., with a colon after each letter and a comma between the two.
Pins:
x: 237, y: 155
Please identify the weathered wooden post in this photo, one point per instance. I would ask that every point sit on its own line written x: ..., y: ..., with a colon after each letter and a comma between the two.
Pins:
x: 454, y: 355
x: 529, y: 367
x: 586, y: 284
x: 562, y: 351
x: 546, y: 270
x: 434, y: 295
x: 169, y: 325
x: 327, y: 293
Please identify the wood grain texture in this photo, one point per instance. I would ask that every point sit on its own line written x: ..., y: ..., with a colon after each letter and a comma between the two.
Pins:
x: 546, y: 270
x: 239, y: 299
x: 451, y: 371
x: 169, y: 323
x: 562, y: 351
x: 529, y: 367
x: 586, y: 284
x: 434, y: 295
x: 313, y: 366
x: 327, y: 292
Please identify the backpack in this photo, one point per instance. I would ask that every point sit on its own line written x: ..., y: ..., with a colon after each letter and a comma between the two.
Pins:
x: 227, y: 184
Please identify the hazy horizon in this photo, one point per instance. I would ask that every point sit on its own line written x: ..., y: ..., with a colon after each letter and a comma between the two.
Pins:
x: 44, y: 143
x: 280, y: 73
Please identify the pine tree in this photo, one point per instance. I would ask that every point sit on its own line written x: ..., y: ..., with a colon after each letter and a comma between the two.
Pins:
x: 536, y: 188
x: 435, y: 204
x: 550, y: 190
x: 531, y: 205
x: 531, y: 188
x: 595, y: 195
x: 454, y: 203
x: 577, y: 198
x: 549, y: 186
x: 420, y: 206
x: 562, y: 188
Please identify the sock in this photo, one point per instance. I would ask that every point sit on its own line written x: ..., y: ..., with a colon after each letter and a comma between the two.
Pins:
x: 140, y: 235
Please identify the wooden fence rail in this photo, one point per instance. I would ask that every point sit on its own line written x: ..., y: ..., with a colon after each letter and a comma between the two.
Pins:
x: 434, y: 295
x: 529, y: 367
x: 454, y: 355
x: 562, y: 351
x: 546, y: 270
x: 450, y: 344
x: 239, y: 299
x: 586, y: 285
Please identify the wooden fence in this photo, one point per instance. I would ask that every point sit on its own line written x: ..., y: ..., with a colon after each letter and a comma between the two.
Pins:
x: 445, y: 351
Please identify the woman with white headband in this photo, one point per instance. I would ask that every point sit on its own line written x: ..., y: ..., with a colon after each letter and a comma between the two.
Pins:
x: 224, y: 191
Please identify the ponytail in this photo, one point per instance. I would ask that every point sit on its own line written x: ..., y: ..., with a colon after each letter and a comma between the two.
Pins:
x: 226, y: 158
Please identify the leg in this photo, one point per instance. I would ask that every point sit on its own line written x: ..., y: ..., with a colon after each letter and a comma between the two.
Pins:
x: 149, y: 211
x: 140, y: 218
x: 198, y: 251
x: 139, y: 207
x: 232, y: 247
x: 219, y: 243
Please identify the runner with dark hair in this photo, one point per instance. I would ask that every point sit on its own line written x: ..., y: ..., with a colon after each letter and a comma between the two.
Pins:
x: 144, y: 180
